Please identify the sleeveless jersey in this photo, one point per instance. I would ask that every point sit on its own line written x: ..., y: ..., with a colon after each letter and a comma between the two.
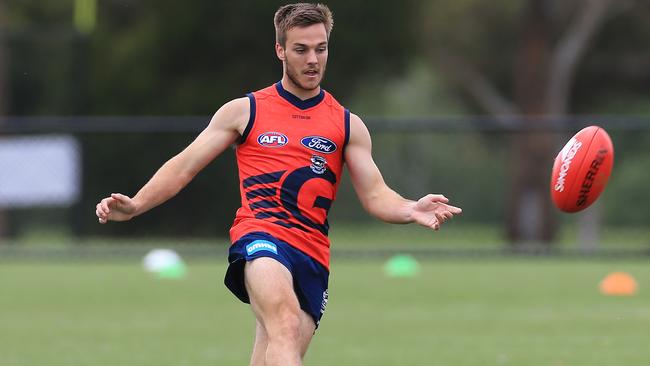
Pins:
x: 290, y: 161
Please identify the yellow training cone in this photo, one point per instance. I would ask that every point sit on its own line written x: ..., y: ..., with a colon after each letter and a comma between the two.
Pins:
x: 618, y: 284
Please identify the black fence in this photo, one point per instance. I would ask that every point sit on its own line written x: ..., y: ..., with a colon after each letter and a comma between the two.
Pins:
x: 72, y: 162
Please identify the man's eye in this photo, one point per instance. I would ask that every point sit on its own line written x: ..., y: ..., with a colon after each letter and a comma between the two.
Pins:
x: 300, y: 50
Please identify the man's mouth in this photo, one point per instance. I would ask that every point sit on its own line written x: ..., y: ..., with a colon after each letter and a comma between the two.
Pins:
x: 311, y: 72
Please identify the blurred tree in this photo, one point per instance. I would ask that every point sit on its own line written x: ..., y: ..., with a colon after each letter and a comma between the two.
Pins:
x: 39, y: 35
x: 153, y: 57
x: 164, y: 57
x: 535, y: 47
x: 3, y: 59
x: 3, y: 96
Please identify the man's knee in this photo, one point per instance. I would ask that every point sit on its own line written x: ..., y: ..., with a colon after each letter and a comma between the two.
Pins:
x: 286, y: 325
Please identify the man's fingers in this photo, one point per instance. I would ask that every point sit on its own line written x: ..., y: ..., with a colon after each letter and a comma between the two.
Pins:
x: 114, y: 201
x: 120, y: 197
x: 437, y: 198
x: 451, y: 210
x: 101, y: 215
x: 101, y: 209
x: 454, y: 210
x: 105, y: 204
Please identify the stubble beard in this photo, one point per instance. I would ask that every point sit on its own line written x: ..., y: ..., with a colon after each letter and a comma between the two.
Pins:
x: 294, y: 77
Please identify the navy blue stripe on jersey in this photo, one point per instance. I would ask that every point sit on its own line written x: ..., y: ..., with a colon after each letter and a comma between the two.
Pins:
x: 297, y: 102
x: 322, y: 202
x: 290, y: 225
x: 270, y: 214
x: 251, y: 118
x: 264, y: 204
x: 263, y: 178
x: 346, y: 122
x: 261, y: 192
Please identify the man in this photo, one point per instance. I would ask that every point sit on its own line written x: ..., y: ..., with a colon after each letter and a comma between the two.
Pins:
x: 292, y: 140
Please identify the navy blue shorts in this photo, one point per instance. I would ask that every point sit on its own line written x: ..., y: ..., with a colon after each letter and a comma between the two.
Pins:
x: 310, y: 278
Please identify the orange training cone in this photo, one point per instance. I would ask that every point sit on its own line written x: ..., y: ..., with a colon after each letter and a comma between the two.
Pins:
x: 618, y: 284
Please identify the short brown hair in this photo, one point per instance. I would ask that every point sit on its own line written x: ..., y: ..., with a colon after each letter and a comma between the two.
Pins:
x: 300, y: 15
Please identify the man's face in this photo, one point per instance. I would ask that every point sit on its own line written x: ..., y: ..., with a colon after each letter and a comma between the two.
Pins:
x: 305, y: 55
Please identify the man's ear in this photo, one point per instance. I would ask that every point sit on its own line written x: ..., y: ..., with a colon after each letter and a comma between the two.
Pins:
x: 279, y: 51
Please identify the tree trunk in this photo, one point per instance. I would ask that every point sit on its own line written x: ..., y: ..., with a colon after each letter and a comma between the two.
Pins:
x: 3, y: 101
x: 543, y: 79
x: 529, y: 215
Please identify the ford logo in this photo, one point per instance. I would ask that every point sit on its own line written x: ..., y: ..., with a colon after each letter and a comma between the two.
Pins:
x: 319, y: 143
x: 272, y: 139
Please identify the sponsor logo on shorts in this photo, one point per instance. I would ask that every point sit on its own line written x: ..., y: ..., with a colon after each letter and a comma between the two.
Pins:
x: 260, y: 245
x: 323, y: 305
x: 272, y: 139
x: 319, y: 143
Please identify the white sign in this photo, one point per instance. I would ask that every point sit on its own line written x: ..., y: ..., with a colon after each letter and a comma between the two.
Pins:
x: 39, y: 171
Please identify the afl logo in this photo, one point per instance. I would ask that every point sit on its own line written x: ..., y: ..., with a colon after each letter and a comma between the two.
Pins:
x: 319, y: 143
x: 272, y: 139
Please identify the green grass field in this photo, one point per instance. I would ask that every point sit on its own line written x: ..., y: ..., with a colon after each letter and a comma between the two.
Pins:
x: 363, y: 236
x: 462, y: 312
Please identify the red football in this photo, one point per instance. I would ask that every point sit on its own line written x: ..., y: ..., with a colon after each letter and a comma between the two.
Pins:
x: 581, y: 169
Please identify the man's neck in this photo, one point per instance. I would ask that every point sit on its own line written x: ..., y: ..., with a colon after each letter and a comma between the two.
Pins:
x: 299, y: 92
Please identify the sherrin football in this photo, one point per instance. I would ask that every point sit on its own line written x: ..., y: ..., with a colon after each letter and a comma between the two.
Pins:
x: 581, y: 169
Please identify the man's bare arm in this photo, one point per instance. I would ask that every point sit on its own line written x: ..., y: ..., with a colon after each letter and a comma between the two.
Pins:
x: 225, y: 128
x: 379, y: 199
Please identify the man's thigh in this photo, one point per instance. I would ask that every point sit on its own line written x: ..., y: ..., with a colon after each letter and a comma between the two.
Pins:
x: 270, y: 287
x: 308, y: 279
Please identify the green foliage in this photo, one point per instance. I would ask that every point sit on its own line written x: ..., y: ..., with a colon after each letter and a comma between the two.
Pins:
x: 484, y: 33
x: 29, y: 14
x: 167, y: 57
x: 152, y: 57
x: 625, y: 199
x: 615, y: 75
x: 420, y: 91
x: 470, y: 169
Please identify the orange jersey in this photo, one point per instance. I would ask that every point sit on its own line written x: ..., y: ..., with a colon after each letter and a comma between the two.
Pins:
x: 290, y: 163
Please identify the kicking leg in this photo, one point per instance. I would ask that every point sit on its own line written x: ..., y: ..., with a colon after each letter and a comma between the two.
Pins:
x: 282, y: 325
x: 261, y: 341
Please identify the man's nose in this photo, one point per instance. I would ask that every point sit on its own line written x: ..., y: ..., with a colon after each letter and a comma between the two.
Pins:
x: 311, y: 57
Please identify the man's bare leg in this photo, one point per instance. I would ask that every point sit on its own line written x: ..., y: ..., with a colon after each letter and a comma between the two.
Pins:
x: 283, y: 331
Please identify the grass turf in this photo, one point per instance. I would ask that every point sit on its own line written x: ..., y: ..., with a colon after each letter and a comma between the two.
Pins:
x: 363, y: 235
x: 462, y: 312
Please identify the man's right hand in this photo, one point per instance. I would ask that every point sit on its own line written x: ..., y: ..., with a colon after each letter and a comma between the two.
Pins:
x: 117, y: 207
